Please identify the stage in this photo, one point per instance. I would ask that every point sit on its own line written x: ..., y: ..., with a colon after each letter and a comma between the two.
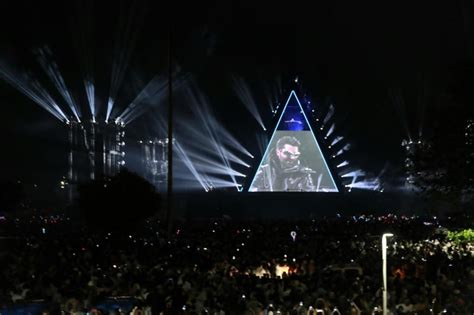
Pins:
x: 274, y: 205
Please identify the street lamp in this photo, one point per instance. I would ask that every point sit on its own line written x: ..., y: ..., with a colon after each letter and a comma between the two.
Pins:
x: 384, y: 269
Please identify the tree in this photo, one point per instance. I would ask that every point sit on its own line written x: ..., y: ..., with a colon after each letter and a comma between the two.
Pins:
x: 442, y: 165
x: 120, y: 202
x: 11, y: 194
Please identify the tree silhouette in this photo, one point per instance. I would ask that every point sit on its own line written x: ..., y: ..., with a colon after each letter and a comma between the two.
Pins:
x: 11, y: 194
x: 120, y: 202
x: 443, y: 165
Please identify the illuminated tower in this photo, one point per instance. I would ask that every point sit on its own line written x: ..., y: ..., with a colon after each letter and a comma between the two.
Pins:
x: 96, y: 151
x: 155, y: 161
x: 414, y: 150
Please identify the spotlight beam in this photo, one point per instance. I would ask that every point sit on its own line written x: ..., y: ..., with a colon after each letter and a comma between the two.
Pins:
x: 90, y: 92
x: 221, y: 183
x: 204, y: 138
x: 336, y: 140
x: 331, y: 130
x: 270, y: 99
x: 231, y: 141
x: 356, y: 173
x: 33, y: 91
x: 344, y: 149
x: 202, y: 111
x: 156, y: 86
x: 208, y: 165
x: 49, y: 99
x: 262, y: 142
x: 82, y: 23
x: 367, y: 185
x: 207, y: 153
x: 184, y: 156
x: 125, y: 39
x: 217, y: 169
x: 342, y: 164
x: 51, y: 69
x: 329, y: 114
x: 272, y: 93
x: 245, y: 96
x: 149, y: 97
x: 190, y: 165
x: 398, y: 101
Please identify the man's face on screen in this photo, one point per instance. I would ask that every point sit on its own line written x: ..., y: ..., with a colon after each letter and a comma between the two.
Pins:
x: 288, y: 155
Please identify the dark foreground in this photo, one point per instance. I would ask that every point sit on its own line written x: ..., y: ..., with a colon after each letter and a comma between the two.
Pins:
x: 216, y: 266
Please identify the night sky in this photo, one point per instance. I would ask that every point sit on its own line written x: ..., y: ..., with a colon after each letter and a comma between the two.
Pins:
x: 349, y: 53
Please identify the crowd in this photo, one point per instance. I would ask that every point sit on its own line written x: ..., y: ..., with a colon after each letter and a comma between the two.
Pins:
x: 225, y: 267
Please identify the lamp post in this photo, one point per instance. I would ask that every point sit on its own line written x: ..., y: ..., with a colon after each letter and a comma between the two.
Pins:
x: 169, y: 191
x: 384, y: 269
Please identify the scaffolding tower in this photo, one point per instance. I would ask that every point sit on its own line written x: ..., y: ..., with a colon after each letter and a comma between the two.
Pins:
x: 155, y: 161
x: 96, y: 151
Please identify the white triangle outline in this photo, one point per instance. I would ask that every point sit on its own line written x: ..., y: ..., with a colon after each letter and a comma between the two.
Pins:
x: 312, y: 133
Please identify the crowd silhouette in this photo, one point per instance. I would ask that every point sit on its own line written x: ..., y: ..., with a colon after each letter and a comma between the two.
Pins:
x: 221, y: 266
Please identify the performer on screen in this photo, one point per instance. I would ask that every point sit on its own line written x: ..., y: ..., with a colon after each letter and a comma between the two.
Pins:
x: 283, y: 171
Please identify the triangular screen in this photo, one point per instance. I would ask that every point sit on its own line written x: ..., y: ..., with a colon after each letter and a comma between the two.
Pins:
x: 293, y: 160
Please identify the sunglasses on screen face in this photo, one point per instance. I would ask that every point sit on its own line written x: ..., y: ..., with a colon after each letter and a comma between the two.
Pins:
x: 290, y: 154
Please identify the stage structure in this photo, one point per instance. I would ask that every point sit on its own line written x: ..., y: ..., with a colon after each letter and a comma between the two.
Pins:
x: 95, y: 135
x: 293, y: 160
x: 96, y: 151
x: 155, y: 161
x: 414, y: 148
x: 469, y: 132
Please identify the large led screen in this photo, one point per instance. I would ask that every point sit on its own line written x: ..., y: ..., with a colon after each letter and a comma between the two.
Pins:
x: 293, y: 160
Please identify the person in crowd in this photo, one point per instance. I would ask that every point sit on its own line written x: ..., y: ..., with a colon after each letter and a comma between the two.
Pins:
x: 218, y: 268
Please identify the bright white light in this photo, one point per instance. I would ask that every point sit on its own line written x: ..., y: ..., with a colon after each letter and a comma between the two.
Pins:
x: 209, y: 154
x: 90, y: 91
x: 365, y: 185
x: 329, y: 114
x: 110, y: 105
x: 342, y: 164
x: 336, y: 140
x: 51, y: 69
x: 32, y: 89
x: 281, y: 269
x: 152, y: 93
x: 242, y: 90
x: 331, y: 130
x: 354, y: 174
